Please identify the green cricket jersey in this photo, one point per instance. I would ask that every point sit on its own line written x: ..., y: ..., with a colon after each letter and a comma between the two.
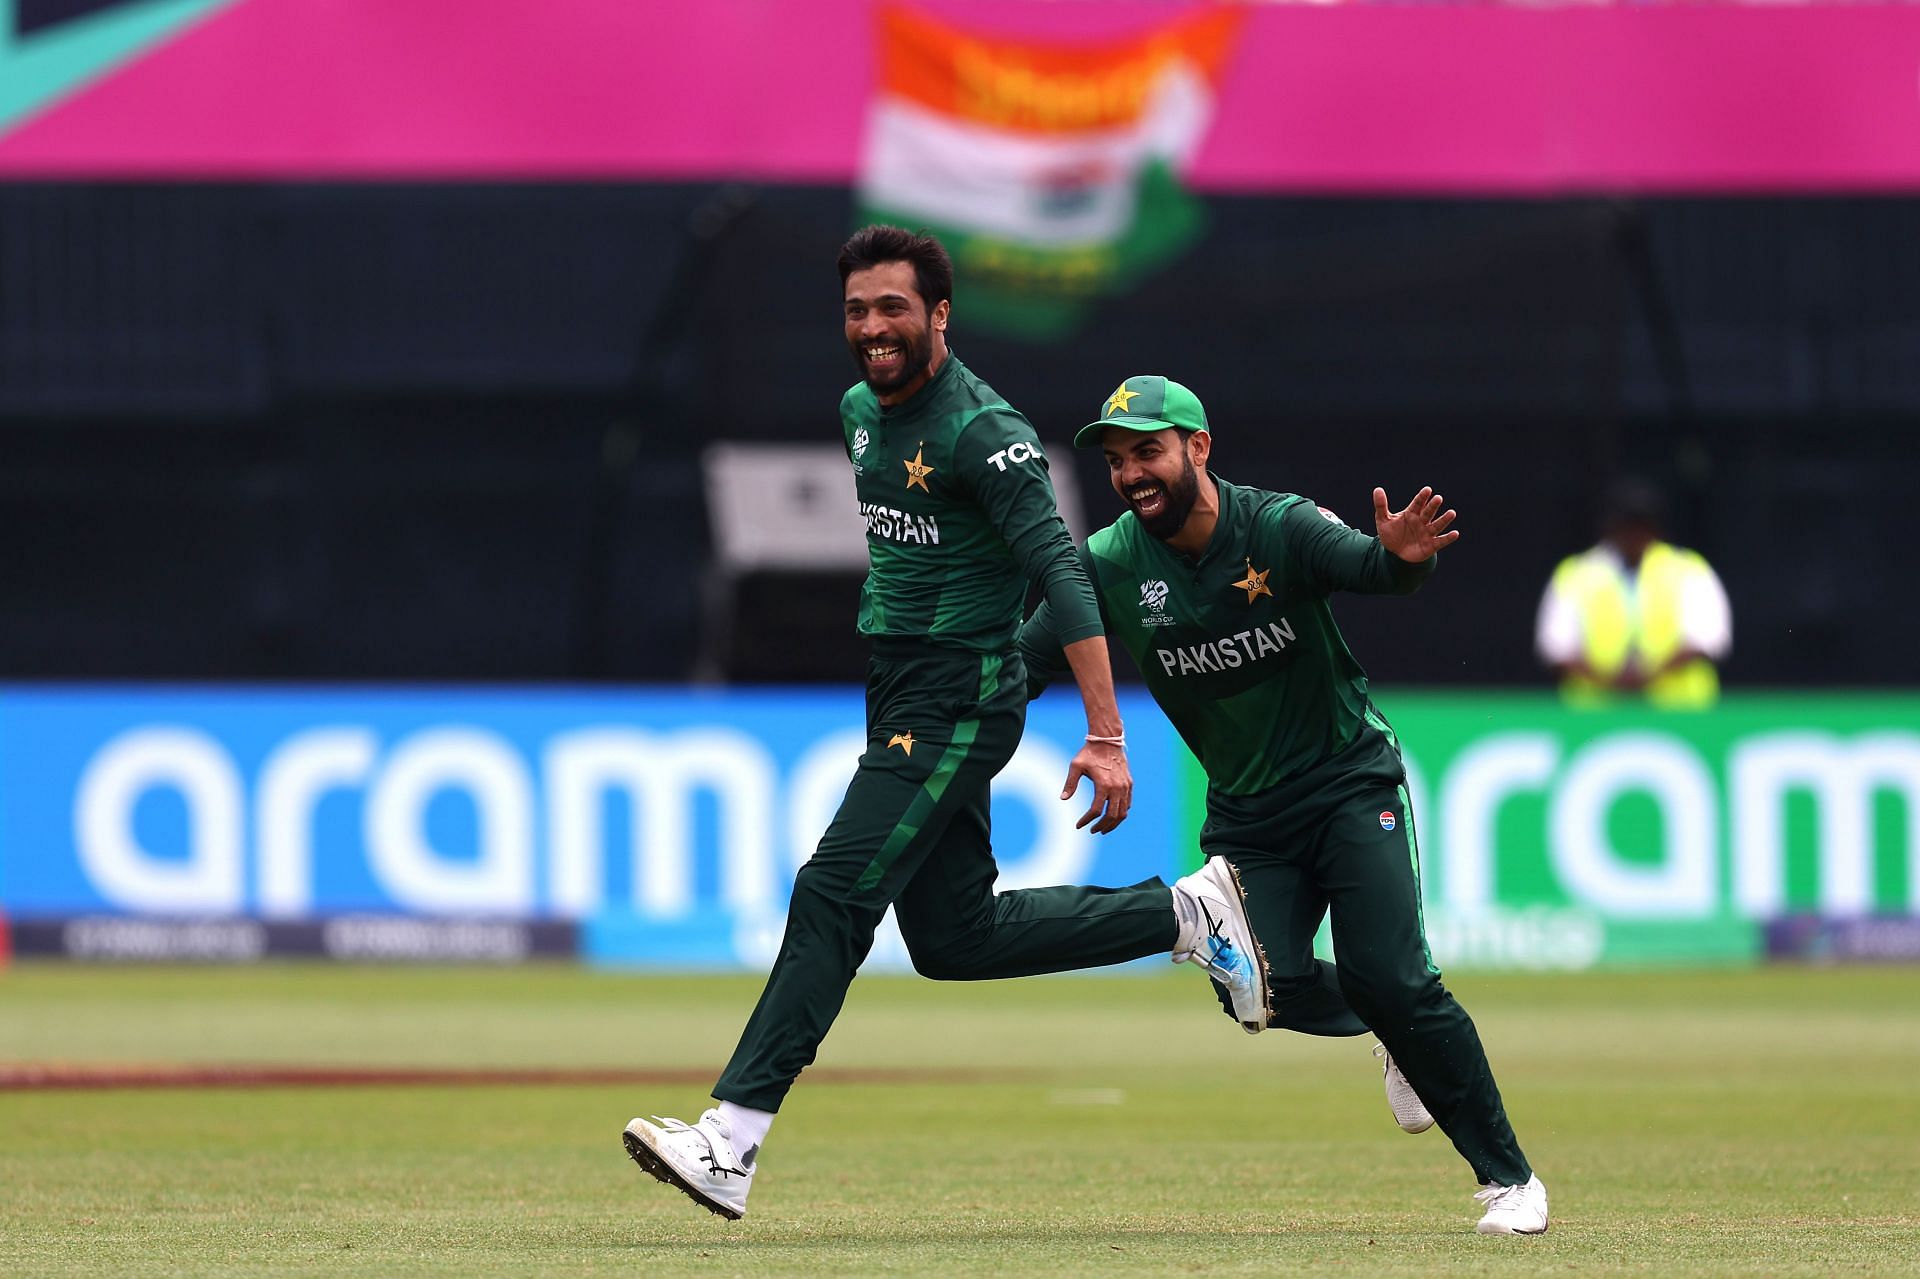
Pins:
x: 1240, y: 648
x: 961, y: 517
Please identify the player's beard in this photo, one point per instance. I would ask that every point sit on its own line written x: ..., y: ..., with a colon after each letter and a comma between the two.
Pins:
x: 915, y: 356
x: 1182, y: 493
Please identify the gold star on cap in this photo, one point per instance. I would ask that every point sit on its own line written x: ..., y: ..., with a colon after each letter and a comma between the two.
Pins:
x: 1119, y: 401
x: 903, y: 740
x: 918, y: 471
x: 1255, y: 584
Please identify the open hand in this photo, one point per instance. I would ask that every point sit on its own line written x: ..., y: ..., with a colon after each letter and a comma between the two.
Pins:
x: 1417, y: 532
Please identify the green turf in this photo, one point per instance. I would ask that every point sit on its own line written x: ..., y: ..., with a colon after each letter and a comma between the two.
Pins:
x: 1723, y: 1123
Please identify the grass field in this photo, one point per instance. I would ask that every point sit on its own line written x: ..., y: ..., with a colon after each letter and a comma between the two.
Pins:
x: 1715, y: 1123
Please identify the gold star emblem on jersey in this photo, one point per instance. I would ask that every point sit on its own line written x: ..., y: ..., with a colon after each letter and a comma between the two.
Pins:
x: 903, y: 740
x: 917, y: 470
x: 1255, y: 583
x: 1119, y: 401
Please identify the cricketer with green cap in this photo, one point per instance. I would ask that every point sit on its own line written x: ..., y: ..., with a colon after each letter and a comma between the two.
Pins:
x: 1147, y: 402
x: 1220, y: 593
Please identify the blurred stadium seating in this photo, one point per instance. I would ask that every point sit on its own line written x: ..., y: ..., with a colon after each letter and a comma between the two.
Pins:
x: 259, y: 418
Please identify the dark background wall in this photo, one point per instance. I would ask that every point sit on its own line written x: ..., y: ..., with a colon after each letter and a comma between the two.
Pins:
x: 452, y: 432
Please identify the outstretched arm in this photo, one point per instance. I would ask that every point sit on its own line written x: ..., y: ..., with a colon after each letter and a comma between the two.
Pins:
x: 1416, y: 533
x: 1334, y: 557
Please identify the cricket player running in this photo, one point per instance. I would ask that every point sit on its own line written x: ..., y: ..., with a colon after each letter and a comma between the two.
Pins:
x: 960, y: 517
x: 1220, y: 594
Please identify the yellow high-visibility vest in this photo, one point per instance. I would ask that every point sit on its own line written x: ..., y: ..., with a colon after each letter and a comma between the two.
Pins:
x: 1611, y: 633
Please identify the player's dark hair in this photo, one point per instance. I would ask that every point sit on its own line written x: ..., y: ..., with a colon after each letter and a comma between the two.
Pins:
x: 872, y: 245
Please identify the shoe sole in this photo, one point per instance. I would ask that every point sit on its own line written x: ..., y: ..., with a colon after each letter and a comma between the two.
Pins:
x: 1541, y: 1231
x: 650, y: 1160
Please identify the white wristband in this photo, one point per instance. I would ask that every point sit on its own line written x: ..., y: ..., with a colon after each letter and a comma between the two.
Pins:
x: 1120, y: 741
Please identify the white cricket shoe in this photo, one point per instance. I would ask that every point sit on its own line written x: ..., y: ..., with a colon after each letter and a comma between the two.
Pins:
x: 1225, y: 946
x: 1408, y: 1110
x: 1514, y: 1210
x: 696, y: 1158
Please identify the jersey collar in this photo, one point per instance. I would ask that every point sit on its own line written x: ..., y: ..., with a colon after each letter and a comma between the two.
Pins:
x: 1226, y: 529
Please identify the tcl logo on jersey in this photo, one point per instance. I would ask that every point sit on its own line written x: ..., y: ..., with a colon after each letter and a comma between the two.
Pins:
x: 1021, y: 452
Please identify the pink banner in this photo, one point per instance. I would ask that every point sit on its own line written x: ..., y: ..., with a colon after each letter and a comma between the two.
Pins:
x: 1704, y: 98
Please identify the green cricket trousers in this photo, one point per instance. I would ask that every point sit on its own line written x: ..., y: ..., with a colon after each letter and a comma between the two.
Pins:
x: 912, y: 833
x: 1341, y: 839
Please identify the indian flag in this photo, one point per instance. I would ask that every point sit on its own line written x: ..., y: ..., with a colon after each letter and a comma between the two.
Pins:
x: 1050, y: 170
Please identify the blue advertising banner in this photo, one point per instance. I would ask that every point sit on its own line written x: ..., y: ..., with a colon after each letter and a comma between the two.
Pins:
x: 669, y: 822
x: 663, y: 826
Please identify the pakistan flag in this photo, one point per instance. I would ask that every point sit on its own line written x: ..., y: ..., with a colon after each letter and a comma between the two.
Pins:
x: 1050, y: 171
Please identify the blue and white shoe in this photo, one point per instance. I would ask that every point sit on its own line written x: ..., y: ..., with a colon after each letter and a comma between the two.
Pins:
x: 1220, y: 939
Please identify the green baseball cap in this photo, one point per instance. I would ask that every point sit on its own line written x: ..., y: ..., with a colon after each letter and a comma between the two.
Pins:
x: 1146, y: 402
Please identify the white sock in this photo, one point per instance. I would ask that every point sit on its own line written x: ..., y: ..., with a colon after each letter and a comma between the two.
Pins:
x: 1191, y: 928
x: 747, y: 1128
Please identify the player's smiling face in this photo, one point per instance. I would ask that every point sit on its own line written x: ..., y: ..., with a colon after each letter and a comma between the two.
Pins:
x: 1154, y: 474
x: 895, y: 340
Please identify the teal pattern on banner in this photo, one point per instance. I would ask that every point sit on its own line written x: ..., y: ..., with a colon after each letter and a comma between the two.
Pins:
x: 38, y: 67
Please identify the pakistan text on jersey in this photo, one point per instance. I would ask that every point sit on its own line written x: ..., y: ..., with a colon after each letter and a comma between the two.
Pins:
x: 900, y: 526
x: 1227, y: 654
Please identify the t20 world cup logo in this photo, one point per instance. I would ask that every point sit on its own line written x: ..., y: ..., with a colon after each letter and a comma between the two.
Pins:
x: 1153, y: 600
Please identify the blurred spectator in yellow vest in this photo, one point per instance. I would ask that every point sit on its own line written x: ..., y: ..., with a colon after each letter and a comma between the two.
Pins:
x: 1635, y: 616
